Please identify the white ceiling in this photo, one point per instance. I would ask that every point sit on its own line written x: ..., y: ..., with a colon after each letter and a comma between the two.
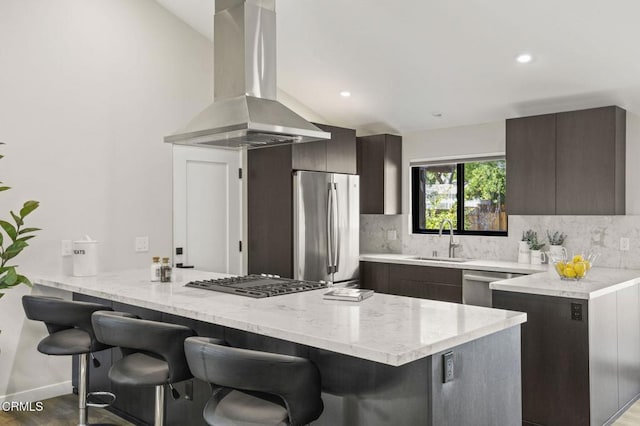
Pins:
x: 405, y: 60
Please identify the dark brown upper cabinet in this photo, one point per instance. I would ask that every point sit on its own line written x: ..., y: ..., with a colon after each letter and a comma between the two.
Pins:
x: 590, y: 162
x: 380, y: 170
x: 336, y: 155
x: 569, y: 163
x: 531, y: 165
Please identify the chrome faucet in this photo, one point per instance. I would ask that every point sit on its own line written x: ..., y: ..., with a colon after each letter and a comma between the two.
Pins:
x: 452, y: 244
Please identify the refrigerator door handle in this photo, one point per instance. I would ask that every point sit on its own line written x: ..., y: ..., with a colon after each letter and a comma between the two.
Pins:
x: 336, y: 227
x: 329, y: 230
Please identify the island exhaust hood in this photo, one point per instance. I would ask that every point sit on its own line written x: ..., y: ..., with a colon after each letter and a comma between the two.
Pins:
x: 245, y: 111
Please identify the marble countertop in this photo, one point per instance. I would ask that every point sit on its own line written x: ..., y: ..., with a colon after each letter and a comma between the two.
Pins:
x: 473, y: 264
x: 599, y: 281
x: 392, y: 330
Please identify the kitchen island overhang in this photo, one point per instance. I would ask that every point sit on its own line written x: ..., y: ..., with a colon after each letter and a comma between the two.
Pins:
x: 386, y: 351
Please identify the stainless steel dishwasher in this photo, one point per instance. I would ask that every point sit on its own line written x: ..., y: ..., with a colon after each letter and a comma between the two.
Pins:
x: 475, y: 286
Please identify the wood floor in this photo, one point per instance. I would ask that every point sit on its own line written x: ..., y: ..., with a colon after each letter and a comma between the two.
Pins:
x: 631, y: 417
x: 60, y: 411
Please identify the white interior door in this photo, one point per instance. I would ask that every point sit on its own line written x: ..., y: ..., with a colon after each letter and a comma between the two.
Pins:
x: 207, y: 208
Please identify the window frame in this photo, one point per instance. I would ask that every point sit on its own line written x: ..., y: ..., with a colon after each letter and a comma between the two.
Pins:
x: 416, y: 199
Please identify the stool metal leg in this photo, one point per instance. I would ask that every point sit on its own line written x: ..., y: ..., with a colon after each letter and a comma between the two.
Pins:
x: 159, y: 409
x: 82, y: 388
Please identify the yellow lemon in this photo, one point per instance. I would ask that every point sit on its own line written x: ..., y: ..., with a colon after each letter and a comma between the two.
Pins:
x: 578, y: 258
x: 580, y: 268
x: 560, y: 268
x: 587, y: 264
x: 569, y: 272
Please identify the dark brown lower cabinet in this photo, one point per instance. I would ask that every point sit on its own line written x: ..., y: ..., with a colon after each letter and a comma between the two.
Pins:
x: 424, y: 282
x: 375, y: 276
x: 580, y: 358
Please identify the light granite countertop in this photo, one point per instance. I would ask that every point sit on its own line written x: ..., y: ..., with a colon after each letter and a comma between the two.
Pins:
x: 392, y: 330
x: 598, y: 282
x: 472, y: 264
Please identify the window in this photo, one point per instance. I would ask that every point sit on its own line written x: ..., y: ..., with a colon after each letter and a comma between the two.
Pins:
x: 470, y: 194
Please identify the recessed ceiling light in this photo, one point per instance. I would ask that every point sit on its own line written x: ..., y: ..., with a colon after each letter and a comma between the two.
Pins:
x: 524, y: 58
x: 345, y: 94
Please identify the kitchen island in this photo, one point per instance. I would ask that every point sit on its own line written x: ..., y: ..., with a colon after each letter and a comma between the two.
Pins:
x: 381, y: 360
x: 580, y: 345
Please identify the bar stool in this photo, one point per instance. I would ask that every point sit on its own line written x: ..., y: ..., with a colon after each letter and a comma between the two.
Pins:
x: 254, y: 387
x: 153, y: 353
x: 70, y: 333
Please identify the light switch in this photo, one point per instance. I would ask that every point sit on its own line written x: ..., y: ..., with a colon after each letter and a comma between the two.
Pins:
x: 624, y: 244
x: 142, y: 244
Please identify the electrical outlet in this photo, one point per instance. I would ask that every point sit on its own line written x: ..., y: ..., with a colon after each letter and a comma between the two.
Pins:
x: 576, y: 311
x: 66, y: 248
x: 392, y: 235
x: 142, y: 244
x: 624, y: 244
x: 447, y: 367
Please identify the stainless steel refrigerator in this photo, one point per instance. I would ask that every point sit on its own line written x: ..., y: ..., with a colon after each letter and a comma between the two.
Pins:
x: 326, y: 221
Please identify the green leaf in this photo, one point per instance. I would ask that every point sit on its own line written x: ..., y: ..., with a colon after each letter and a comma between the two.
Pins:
x: 1, y: 294
x: 17, y: 219
x: 28, y: 207
x: 25, y: 230
x: 28, y: 237
x: 13, y: 250
x: 4, y: 188
x: 1, y: 239
x: 11, y: 278
x: 9, y: 229
x: 24, y: 280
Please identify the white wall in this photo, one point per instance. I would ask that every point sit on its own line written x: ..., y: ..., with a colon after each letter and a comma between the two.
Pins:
x: 88, y: 89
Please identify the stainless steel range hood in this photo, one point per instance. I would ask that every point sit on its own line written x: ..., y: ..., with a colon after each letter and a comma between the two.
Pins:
x: 245, y: 111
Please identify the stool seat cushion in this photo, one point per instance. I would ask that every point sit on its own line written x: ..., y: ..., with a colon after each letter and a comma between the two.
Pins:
x: 238, y: 408
x: 71, y: 341
x: 140, y: 369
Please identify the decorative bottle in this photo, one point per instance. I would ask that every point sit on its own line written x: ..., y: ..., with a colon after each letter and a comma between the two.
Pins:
x: 165, y: 270
x: 155, y: 268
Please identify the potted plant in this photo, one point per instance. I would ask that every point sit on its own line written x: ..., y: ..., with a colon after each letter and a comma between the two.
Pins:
x: 537, y: 257
x: 556, y: 240
x: 524, y: 252
x: 13, y: 240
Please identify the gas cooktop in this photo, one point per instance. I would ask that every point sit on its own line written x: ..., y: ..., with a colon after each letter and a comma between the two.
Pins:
x: 257, y: 285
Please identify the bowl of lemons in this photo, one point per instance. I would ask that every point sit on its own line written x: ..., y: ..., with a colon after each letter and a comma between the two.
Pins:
x: 576, y: 267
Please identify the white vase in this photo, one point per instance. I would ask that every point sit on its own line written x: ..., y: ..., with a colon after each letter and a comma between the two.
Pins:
x: 524, y: 253
x: 538, y: 257
x: 557, y: 253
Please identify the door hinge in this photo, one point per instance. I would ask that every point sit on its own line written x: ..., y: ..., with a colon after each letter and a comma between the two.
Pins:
x: 240, y: 173
x: 239, y: 245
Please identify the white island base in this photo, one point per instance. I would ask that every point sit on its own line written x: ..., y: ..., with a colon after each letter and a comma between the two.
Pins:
x: 381, y: 360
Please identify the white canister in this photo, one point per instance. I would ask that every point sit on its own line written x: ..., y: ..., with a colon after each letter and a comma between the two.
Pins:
x: 85, y: 258
x: 538, y: 257
x: 557, y: 253
x: 524, y: 253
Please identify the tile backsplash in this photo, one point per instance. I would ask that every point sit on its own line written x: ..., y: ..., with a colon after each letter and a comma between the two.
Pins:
x: 600, y: 233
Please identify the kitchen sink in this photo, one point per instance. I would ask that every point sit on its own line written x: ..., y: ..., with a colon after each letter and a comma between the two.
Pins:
x: 442, y: 259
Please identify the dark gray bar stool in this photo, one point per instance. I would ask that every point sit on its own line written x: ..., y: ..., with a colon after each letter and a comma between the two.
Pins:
x: 70, y: 333
x: 256, y: 388
x: 153, y: 353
